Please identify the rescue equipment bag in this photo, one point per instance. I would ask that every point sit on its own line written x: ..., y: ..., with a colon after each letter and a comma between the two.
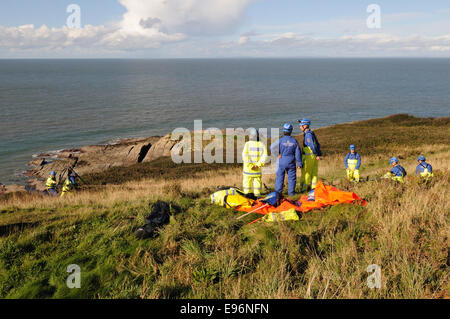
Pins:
x: 236, y: 190
x: 289, y: 214
x: 159, y: 216
x: 218, y: 197
x: 233, y: 201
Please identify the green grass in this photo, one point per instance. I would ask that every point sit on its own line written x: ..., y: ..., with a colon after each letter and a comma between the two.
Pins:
x: 206, y: 253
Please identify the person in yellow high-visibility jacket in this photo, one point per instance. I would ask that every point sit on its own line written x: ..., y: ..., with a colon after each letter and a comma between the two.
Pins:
x: 70, y: 183
x: 67, y: 187
x: 397, y: 172
x: 311, y: 156
x: 352, y: 164
x: 254, y: 156
x: 424, y: 169
x: 51, y: 184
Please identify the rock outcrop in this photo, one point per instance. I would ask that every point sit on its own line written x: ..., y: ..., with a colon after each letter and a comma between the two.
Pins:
x: 160, y: 149
x: 92, y: 158
x: 98, y: 158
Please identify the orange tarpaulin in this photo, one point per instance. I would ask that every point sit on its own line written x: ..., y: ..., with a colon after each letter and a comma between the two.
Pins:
x: 324, y: 196
x: 329, y: 195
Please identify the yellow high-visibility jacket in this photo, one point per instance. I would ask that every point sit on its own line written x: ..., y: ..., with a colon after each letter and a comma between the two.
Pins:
x: 218, y: 197
x: 67, y: 187
x: 254, y: 154
x: 51, y: 183
x: 289, y: 214
x: 389, y: 175
x: 426, y: 174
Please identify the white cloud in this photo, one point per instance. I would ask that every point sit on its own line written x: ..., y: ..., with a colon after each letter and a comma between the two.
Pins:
x: 440, y: 48
x: 146, y: 24
x: 30, y: 37
x: 381, y: 44
x: 191, y: 17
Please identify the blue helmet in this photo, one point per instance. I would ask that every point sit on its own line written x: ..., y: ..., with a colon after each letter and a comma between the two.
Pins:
x: 352, y: 147
x: 287, y: 128
x: 393, y: 160
x: 422, y: 158
x: 304, y: 121
x: 52, y: 173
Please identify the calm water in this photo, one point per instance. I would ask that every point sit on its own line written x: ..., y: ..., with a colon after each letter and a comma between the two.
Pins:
x: 54, y: 104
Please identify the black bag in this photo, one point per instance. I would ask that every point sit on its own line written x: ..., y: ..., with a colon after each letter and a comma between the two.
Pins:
x: 159, y: 216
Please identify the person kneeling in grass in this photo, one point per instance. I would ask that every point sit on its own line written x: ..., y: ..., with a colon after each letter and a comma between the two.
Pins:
x: 424, y: 169
x: 397, y: 172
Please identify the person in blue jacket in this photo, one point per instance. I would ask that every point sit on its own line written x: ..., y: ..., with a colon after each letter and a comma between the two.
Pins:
x: 72, y: 177
x: 397, y: 172
x: 352, y: 164
x: 311, y: 156
x: 289, y: 155
x: 424, y: 169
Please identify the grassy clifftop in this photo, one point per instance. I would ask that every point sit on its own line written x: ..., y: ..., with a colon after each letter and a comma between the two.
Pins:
x: 206, y: 253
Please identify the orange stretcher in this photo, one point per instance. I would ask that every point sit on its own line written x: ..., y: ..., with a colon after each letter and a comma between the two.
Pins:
x: 324, y: 196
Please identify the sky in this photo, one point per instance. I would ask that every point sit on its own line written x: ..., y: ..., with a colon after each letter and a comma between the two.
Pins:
x: 223, y: 28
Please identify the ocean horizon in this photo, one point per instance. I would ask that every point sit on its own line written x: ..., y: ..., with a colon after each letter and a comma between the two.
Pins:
x: 55, y: 104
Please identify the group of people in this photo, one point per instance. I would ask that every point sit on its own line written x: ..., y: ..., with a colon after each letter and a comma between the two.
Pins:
x: 68, y: 186
x: 398, y: 173
x: 292, y: 158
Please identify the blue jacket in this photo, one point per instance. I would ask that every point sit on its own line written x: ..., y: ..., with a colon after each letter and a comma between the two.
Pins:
x: 289, y: 150
x: 421, y: 167
x: 310, y: 139
x: 353, y: 156
x: 73, y: 180
x: 398, y: 170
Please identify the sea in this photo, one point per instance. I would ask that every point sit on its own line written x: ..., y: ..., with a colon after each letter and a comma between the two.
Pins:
x: 49, y: 105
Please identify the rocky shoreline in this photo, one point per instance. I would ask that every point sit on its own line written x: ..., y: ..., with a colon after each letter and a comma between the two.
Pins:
x: 92, y: 159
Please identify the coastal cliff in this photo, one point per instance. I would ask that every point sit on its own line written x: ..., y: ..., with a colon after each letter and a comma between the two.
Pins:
x: 98, y: 158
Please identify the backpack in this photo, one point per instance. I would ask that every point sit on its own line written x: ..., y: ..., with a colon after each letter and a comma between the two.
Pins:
x: 159, y: 216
